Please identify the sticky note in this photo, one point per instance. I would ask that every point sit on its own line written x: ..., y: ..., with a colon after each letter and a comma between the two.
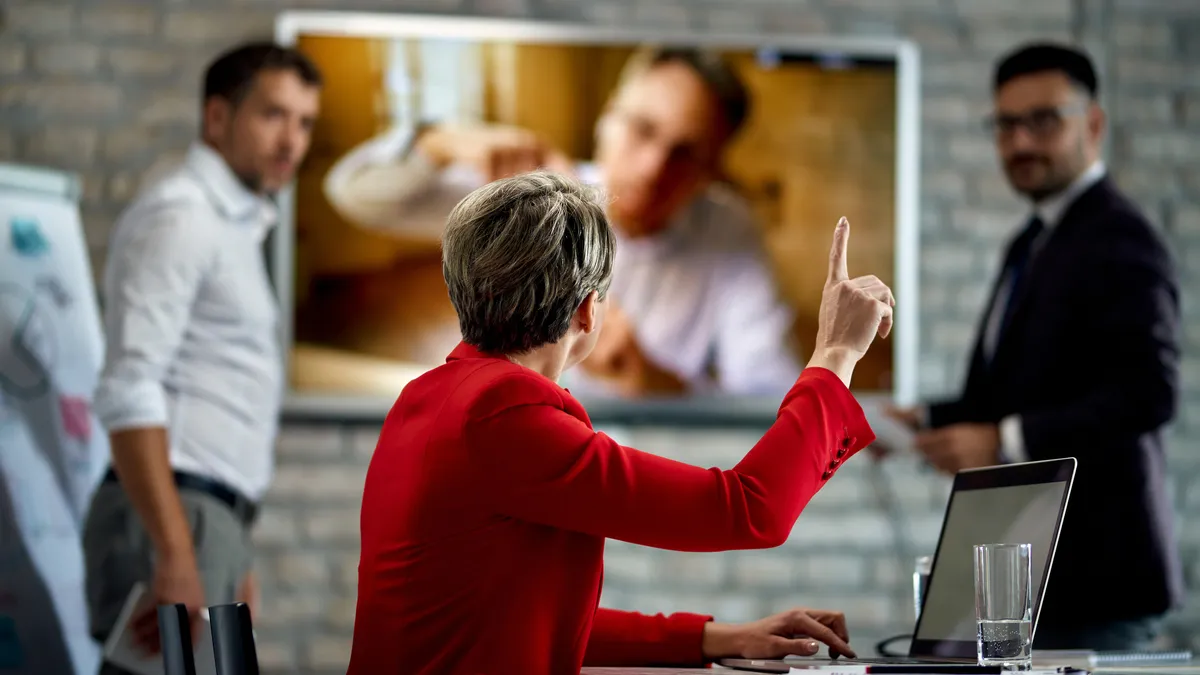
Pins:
x: 27, y: 238
x: 76, y: 416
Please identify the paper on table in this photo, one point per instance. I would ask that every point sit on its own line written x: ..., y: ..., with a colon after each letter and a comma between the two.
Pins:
x: 888, y: 432
x: 121, y: 650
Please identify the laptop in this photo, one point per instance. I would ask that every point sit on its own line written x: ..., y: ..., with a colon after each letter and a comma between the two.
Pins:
x: 1010, y: 503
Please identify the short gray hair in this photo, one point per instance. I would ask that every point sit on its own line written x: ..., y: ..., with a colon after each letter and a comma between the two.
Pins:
x: 520, y: 255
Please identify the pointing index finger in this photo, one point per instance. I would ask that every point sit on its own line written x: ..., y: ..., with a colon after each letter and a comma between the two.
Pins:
x: 838, y: 270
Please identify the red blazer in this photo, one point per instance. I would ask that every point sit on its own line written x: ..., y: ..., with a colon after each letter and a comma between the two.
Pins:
x: 488, y: 500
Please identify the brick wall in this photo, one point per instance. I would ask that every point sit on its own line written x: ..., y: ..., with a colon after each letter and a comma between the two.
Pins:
x: 108, y: 89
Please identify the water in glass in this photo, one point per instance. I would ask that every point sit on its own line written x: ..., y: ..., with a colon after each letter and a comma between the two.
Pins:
x: 1005, y: 643
x: 1003, y: 605
x: 920, y: 582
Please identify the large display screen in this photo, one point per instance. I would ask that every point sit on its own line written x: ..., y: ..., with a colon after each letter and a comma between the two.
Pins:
x: 721, y: 255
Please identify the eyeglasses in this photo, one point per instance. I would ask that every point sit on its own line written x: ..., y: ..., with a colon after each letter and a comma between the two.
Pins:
x: 1041, y: 122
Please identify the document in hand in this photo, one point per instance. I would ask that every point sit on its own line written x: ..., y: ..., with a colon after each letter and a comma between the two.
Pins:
x: 889, y: 433
x: 121, y: 650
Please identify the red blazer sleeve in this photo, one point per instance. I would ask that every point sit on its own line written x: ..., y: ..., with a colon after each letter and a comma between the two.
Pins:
x: 534, y: 461
x: 631, y: 639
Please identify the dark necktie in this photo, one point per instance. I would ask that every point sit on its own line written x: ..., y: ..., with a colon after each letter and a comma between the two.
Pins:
x: 1018, y: 266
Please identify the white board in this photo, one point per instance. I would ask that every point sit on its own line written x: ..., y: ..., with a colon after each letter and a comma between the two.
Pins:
x: 52, y: 449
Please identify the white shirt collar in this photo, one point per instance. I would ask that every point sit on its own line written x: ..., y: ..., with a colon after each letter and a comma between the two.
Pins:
x: 1051, y: 209
x: 228, y: 194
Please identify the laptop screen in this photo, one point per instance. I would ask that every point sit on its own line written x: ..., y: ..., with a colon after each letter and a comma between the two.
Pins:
x: 1011, y: 504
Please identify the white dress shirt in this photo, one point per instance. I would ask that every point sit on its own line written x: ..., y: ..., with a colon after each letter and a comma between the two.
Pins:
x: 699, y: 295
x: 191, y: 324
x: 1050, y: 210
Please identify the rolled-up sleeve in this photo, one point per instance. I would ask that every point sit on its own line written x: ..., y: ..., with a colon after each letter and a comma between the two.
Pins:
x: 156, y: 265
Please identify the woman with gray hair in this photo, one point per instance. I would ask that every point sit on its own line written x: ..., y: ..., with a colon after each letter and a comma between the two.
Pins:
x: 489, y: 496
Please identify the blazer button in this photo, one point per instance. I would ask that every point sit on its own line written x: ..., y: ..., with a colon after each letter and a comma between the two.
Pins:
x: 833, y: 465
x: 827, y: 475
x: 841, y: 453
x: 845, y: 442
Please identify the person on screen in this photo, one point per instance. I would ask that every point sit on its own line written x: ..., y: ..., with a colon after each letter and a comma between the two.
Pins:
x: 1086, y: 279
x: 192, y: 380
x: 695, y: 308
x: 489, y: 495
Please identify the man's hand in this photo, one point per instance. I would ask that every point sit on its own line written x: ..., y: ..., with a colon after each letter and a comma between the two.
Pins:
x: 176, y: 580
x: 853, y: 312
x: 910, y: 417
x: 619, y: 359
x: 793, y: 632
x: 960, y: 446
x: 496, y: 151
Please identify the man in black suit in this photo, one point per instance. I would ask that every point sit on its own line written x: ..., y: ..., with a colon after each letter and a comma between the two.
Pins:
x: 1077, y: 355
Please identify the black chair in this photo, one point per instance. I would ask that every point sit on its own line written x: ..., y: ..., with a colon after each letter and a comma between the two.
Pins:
x: 175, y: 632
x: 233, y: 639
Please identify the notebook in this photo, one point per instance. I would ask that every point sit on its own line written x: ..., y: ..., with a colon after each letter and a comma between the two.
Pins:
x: 121, y: 650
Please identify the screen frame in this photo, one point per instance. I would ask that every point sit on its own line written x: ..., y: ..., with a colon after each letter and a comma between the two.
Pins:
x: 1004, y: 475
x: 707, y: 411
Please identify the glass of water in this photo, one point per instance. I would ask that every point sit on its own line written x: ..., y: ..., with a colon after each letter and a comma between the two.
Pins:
x: 1004, y: 605
x: 920, y: 582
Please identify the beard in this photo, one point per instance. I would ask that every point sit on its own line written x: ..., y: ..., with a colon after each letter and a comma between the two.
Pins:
x: 1033, y: 176
x: 1039, y: 176
x: 251, y: 180
x: 256, y: 182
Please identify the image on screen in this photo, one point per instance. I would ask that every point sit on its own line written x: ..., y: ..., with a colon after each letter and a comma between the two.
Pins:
x: 370, y: 310
x: 1007, y: 515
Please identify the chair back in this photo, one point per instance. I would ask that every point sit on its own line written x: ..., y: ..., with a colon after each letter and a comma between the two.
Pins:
x: 233, y: 639
x: 175, y: 633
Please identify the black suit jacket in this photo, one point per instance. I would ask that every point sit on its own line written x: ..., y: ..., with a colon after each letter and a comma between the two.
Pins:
x: 1090, y: 362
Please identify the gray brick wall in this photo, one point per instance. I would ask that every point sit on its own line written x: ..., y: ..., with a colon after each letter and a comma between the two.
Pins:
x: 108, y: 89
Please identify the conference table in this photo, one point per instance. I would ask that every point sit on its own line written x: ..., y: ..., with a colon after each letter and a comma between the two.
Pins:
x: 652, y: 671
x: 1192, y: 668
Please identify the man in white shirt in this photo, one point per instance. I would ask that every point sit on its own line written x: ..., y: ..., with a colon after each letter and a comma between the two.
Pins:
x: 698, y: 308
x: 193, y: 375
